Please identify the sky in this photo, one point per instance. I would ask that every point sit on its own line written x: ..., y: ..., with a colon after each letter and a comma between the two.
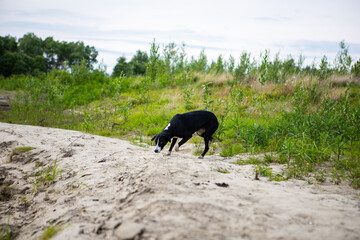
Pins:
x: 312, y: 28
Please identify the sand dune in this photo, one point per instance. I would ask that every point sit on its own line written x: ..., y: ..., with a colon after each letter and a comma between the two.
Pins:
x: 111, y: 189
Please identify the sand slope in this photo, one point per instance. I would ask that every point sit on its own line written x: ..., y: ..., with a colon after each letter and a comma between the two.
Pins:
x: 111, y: 189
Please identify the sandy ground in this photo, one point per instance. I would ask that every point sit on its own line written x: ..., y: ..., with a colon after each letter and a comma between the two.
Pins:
x: 111, y: 189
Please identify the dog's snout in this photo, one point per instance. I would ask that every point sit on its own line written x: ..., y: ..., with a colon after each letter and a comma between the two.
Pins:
x: 157, y: 149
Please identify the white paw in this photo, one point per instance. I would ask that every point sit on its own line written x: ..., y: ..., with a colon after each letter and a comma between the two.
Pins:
x: 201, y: 157
x: 177, y: 147
x: 167, y: 154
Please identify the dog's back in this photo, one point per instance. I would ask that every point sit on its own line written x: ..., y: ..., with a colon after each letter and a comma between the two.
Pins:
x: 193, y: 121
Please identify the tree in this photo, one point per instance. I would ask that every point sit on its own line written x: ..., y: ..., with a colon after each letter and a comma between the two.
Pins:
x: 32, y: 55
x: 170, y: 57
x: 243, y: 67
x: 289, y: 66
x: 15, y: 63
x: 355, y: 70
x: 50, y: 47
x: 220, y: 65
x: 122, y: 67
x: 324, y: 70
x: 138, y: 63
x: 39, y: 64
x: 181, y: 60
x: 151, y: 66
x: 199, y: 65
x: 343, y: 61
x: 31, y: 45
x: 231, y: 64
x: 8, y: 43
x: 7, y: 61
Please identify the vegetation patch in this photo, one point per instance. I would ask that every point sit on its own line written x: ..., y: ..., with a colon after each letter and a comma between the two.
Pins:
x: 50, y: 231
x: 44, y: 176
x: 308, y: 117
x: 23, y: 149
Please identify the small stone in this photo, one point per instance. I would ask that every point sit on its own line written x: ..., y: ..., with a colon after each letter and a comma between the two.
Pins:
x: 129, y: 231
x: 222, y: 184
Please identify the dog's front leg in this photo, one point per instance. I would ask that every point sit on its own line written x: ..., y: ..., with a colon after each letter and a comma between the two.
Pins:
x: 172, y: 145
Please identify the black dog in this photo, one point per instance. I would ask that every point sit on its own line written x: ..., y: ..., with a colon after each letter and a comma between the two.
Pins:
x: 183, y: 126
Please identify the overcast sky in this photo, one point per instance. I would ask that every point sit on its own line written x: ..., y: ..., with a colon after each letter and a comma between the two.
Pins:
x: 118, y: 28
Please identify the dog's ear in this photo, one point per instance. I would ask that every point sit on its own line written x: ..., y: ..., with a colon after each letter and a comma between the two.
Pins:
x: 154, y: 137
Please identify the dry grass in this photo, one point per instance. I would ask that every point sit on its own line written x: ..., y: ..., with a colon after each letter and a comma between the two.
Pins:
x: 339, y: 80
x: 271, y: 88
x: 215, y: 79
x: 337, y: 93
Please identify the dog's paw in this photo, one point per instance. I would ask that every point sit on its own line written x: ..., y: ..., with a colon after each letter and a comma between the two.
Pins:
x: 177, y: 147
x: 167, y: 154
x: 201, y: 157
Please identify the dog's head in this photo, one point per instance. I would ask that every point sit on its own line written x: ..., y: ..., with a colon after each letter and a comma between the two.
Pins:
x: 161, y: 140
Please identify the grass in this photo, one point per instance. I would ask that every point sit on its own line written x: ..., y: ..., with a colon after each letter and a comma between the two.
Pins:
x: 6, y: 233
x: 221, y: 170
x: 23, y: 149
x: 44, y: 176
x: 254, y: 161
x: 50, y: 231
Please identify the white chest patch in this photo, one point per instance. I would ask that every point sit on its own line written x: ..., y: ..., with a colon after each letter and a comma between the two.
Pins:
x: 167, y: 127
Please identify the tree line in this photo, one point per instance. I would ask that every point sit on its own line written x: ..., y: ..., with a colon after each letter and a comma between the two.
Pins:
x: 170, y: 60
x: 33, y: 55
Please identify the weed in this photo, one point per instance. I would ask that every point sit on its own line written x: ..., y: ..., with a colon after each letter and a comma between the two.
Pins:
x: 207, y: 96
x: 269, y: 158
x: 320, y: 175
x: 266, y: 171
x: 23, y: 149
x: 187, y: 94
x: 231, y: 149
x: 45, y: 175
x: 50, y: 231
x: 6, y: 233
x: 254, y: 161
x: 221, y: 170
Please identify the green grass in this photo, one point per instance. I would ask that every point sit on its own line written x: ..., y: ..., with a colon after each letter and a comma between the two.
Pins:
x: 24, y: 149
x: 254, y: 161
x: 221, y: 170
x: 5, y: 232
x: 50, y: 231
x: 45, y: 175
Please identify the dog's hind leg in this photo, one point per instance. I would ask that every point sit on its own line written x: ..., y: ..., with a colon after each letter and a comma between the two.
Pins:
x: 206, y: 149
x: 208, y: 137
